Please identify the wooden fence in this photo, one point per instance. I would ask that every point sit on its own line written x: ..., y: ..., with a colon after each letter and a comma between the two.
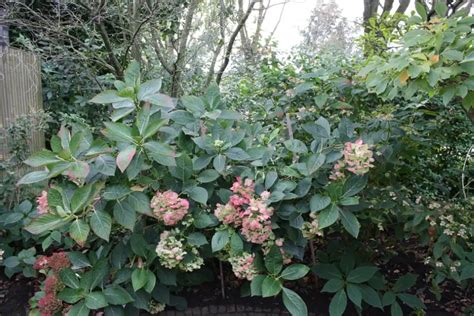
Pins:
x: 20, y: 94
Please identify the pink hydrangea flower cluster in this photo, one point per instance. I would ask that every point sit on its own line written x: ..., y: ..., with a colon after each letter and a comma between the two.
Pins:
x: 358, y: 159
x: 247, y: 211
x: 243, y: 267
x: 168, y: 207
x: 171, y: 251
x: 56, y: 262
x: 49, y: 305
x: 42, y: 201
x: 311, y: 229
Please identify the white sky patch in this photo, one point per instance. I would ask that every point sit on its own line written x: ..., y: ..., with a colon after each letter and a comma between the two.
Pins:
x: 296, y: 16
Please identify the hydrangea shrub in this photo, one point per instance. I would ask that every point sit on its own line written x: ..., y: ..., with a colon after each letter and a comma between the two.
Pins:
x: 171, y: 185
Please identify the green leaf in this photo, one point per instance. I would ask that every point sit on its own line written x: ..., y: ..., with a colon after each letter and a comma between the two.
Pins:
x: 71, y: 296
x: 219, y: 163
x: 411, y: 300
x: 237, y: 154
x: 107, y: 96
x: 81, y: 198
x: 44, y: 223
x: 361, y: 274
x: 193, y: 104
x: 118, y: 132
x: 161, y: 153
x: 328, y: 216
x: 101, y: 224
x: 405, y: 282
x: 332, y: 286
x: 274, y: 260
x: 338, y: 303
x: 197, y: 239
x: 294, y: 272
x: 105, y: 164
x: 355, y: 294
x: 452, y: 54
x: 270, y: 179
x: 420, y: 9
x: 354, y: 185
x: 371, y: 296
x: 132, y: 74
x: 115, y: 192
x: 78, y: 259
x: 388, y: 298
x: 139, y: 278
x: 208, y: 175
x: 441, y: 8
x: 124, y: 214
x: 220, y: 240
x: 319, y: 202
x: 270, y: 287
x: 79, y: 230
x: 467, y: 272
x: 293, y: 303
x: 139, y: 202
x: 296, y: 146
x: 350, y: 222
x: 41, y: 158
x: 148, y: 88
x: 256, y: 285
x: 396, y: 310
x: 151, y: 282
x: 96, y: 300
x: 69, y: 278
x: 79, y: 309
x: 116, y: 295
x: 236, y: 243
x: 11, y: 262
x: 33, y: 177
x: 198, y: 194
x: 327, y: 271
x: 125, y: 156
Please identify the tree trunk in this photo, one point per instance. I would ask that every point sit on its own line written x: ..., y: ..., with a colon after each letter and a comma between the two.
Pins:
x: 178, y: 68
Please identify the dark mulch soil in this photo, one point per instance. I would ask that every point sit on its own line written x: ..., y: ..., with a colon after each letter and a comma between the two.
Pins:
x: 14, y: 294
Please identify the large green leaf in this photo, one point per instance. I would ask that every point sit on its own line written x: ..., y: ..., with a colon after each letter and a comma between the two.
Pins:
x: 124, y: 214
x: 69, y: 278
x: 328, y: 216
x: 338, y: 303
x: 118, y: 132
x: 125, y: 156
x: 80, y: 198
x: 116, y: 295
x: 107, y: 96
x: 220, y: 240
x: 161, y: 153
x: 293, y: 302
x: 319, y: 202
x: 198, y: 194
x: 33, y: 177
x: 42, y: 158
x: 79, y: 309
x: 295, y: 271
x: 79, y: 231
x: 274, y: 260
x: 139, y: 278
x: 148, y: 88
x: 45, y: 223
x: 350, y: 222
x: 270, y: 286
x: 96, y: 300
x: 101, y: 224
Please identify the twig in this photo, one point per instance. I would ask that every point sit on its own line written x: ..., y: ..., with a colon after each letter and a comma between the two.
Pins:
x: 221, y: 269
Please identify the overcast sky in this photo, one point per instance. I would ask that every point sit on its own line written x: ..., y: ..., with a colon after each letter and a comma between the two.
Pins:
x: 296, y: 15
